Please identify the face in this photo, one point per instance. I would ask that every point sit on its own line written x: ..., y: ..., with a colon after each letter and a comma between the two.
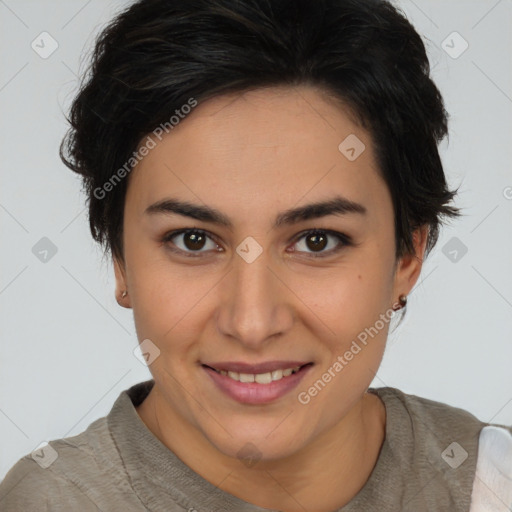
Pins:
x: 246, y: 278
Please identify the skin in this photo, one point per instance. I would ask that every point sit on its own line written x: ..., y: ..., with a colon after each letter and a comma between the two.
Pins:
x: 251, y: 156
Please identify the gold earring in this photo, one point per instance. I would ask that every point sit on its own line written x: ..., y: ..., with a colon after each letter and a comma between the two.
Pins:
x: 124, y: 294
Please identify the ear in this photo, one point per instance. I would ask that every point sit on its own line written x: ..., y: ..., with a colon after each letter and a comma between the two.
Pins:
x: 409, y: 266
x: 121, y: 284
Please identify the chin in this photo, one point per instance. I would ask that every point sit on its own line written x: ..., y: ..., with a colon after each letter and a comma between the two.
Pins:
x: 253, y: 444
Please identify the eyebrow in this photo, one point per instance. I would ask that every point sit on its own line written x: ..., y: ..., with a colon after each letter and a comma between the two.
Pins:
x: 337, y: 205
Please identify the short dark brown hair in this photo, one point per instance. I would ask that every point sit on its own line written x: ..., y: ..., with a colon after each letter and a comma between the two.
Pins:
x: 158, y: 54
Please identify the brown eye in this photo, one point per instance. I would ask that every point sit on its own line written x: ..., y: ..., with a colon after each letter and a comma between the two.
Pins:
x: 314, y: 242
x: 190, y: 242
x: 194, y: 240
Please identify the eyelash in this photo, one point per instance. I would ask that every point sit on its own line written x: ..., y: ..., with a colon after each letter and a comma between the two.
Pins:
x: 345, y: 241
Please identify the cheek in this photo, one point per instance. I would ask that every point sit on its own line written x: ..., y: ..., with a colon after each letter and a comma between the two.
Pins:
x: 161, y: 299
x: 350, y: 323
x: 347, y: 297
x: 355, y: 312
x: 170, y: 305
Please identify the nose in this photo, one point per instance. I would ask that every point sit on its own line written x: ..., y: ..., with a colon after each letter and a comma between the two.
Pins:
x: 255, y: 306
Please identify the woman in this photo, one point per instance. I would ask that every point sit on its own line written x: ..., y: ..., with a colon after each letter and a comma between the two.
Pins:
x: 265, y: 175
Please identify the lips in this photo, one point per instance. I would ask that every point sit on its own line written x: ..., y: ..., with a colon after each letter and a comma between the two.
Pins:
x: 257, y: 384
x: 266, y: 367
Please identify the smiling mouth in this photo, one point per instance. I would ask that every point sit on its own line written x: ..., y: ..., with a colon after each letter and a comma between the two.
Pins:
x: 260, y: 378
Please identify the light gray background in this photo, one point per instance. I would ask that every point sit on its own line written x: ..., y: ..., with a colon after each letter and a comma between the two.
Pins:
x: 67, y: 347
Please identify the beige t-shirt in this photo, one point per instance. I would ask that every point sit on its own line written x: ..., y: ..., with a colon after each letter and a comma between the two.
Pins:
x: 427, y: 463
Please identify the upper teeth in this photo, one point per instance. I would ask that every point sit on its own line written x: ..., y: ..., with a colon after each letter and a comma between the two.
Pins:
x: 260, y: 378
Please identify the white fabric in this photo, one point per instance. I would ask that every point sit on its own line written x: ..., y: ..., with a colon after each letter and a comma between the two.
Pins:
x: 492, y: 486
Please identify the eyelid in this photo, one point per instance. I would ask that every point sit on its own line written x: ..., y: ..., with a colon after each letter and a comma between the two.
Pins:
x: 344, y: 241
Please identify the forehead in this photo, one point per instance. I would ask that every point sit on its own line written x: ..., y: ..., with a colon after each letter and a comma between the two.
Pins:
x: 261, y: 149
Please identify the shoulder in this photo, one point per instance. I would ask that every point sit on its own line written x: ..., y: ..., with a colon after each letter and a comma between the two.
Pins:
x: 436, y: 444
x: 492, y: 488
x: 63, y: 474
x: 27, y: 486
x: 463, y: 463
x: 430, y: 411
